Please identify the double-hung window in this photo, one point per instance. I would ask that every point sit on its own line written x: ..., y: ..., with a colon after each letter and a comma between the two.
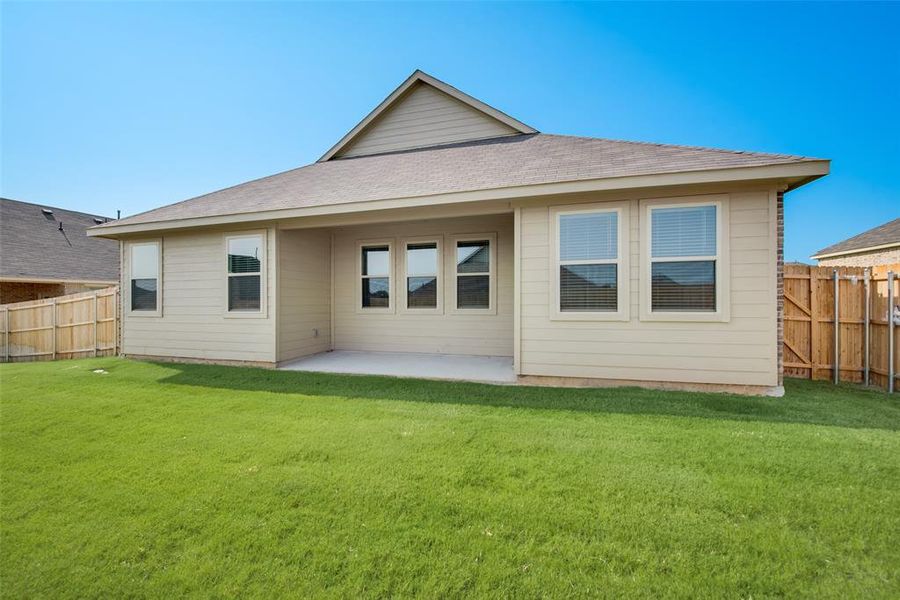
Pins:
x: 246, y: 273
x: 474, y: 273
x: 590, y: 273
x: 422, y: 272
x: 144, y: 284
x: 685, y: 265
x: 375, y: 276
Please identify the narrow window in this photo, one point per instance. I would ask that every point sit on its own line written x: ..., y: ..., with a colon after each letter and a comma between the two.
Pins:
x: 473, y: 274
x: 245, y: 264
x: 145, y: 277
x: 422, y: 275
x: 376, y: 276
x: 683, y: 255
x: 588, y: 262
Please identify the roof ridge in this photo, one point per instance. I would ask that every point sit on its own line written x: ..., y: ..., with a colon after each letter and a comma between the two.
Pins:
x: 684, y: 146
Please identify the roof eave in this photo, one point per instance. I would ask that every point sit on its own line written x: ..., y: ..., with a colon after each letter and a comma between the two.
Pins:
x: 821, y: 254
x: 792, y: 172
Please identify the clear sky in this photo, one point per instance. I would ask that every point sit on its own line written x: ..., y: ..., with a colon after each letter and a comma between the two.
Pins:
x: 130, y: 106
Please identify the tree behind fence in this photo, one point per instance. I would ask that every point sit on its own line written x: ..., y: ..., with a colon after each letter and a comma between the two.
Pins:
x: 73, y: 326
x: 809, y: 309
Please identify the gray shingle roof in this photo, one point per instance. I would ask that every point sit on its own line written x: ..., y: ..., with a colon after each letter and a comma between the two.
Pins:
x: 468, y: 166
x: 889, y: 233
x: 33, y: 247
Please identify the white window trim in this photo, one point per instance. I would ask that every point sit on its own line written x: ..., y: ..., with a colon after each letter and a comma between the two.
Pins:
x: 622, y: 262
x: 262, y: 313
x: 159, y: 281
x: 404, y: 275
x: 390, y: 309
x: 452, y: 274
x: 723, y: 269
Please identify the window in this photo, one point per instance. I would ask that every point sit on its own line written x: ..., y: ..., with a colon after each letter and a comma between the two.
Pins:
x: 246, y: 267
x: 422, y: 273
x: 590, y: 272
x: 375, y: 274
x: 145, y: 275
x: 685, y: 260
x: 474, y: 273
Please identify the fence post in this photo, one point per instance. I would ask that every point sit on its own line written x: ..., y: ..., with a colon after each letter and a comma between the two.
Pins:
x: 890, y: 336
x: 53, y: 310
x: 6, y: 337
x: 837, y: 329
x: 866, y: 277
x: 95, y: 323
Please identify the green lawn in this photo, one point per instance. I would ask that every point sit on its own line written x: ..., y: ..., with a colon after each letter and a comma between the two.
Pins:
x: 164, y: 480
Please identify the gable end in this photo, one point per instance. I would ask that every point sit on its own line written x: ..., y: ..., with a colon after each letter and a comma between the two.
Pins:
x: 421, y: 113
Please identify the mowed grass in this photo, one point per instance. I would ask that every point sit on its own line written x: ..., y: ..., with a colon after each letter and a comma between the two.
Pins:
x: 169, y: 480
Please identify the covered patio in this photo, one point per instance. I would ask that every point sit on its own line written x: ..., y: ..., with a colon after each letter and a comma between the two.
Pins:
x: 488, y: 369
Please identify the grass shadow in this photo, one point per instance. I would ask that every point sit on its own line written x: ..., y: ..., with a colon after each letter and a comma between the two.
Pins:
x: 810, y: 402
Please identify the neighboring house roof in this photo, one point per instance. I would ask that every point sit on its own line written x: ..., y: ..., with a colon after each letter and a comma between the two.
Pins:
x: 877, y: 238
x: 32, y: 246
x: 514, y: 157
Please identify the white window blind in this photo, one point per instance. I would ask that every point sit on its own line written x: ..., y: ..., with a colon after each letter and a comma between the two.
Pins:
x: 588, y: 261
x: 683, y: 255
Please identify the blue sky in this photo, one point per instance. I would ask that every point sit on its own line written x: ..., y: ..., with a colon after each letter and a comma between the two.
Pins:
x: 129, y: 106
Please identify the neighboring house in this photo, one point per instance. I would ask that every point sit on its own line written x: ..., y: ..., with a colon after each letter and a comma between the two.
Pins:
x: 877, y: 246
x: 441, y: 225
x: 44, y: 252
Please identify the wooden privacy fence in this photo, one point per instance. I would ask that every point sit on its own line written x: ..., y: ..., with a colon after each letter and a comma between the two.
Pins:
x: 73, y: 326
x: 844, y: 312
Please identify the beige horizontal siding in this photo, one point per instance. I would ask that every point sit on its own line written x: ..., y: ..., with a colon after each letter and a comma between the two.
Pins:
x: 739, y: 351
x: 425, y: 117
x: 193, y: 322
x: 486, y: 335
x: 304, y: 293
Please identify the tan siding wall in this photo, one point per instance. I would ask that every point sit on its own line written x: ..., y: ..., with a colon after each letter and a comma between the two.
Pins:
x: 489, y: 335
x: 888, y: 256
x: 304, y: 293
x: 740, y: 351
x: 193, y: 322
x: 425, y: 117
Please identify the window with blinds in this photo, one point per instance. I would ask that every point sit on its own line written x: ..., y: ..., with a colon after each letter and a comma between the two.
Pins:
x: 145, y: 277
x: 683, y: 255
x: 473, y: 274
x: 245, y: 264
x: 588, y: 261
x: 376, y: 276
x: 422, y: 267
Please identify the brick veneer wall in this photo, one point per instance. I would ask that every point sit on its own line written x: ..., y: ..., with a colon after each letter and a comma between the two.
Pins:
x: 779, y: 228
x: 888, y: 256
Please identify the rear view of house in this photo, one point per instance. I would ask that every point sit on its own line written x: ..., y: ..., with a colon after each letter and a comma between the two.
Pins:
x: 440, y: 225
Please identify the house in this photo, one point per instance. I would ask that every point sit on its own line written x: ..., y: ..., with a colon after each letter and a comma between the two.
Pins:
x: 45, y: 253
x: 440, y: 226
x: 877, y: 246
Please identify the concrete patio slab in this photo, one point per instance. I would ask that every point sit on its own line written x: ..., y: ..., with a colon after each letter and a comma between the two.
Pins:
x: 491, y: 369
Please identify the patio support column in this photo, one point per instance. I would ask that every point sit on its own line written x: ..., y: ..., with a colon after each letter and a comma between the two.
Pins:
x: 517, y: 291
